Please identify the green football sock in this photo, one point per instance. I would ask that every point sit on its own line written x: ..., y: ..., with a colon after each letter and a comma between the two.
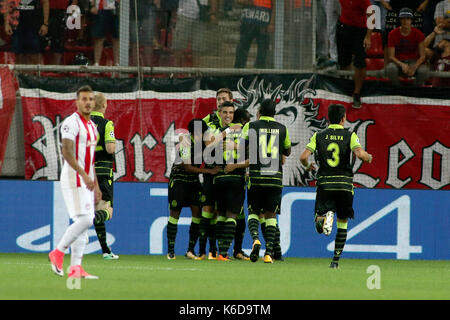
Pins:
x: 100, y: 229
x: 253, y: 226
x: 271, y: 229
x: 212, y: 236
x: 220, y: 225
x: 277, y: 243
x: 193, y: 233
x: 172, y: 227
x: 239, y: 234
x: 203, y: 231
x: 229, y: 230
x: 341, y: 238
x: 262, y: 221
x: 101, y: 216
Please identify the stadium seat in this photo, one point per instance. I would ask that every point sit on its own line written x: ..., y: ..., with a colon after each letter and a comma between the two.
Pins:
x: 376, y: 46
x: 7, y: 57
x: 374, y: 63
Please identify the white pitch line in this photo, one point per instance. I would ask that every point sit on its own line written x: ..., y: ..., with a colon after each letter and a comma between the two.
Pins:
x: 106, y: 266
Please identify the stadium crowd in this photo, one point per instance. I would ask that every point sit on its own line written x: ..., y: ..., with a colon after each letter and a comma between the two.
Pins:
x: 178, y: 32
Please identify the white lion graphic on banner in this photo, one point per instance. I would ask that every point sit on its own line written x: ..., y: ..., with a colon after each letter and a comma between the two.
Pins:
x: 297, y: 111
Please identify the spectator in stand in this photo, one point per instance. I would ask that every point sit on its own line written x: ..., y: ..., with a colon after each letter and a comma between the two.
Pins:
x: 322, y: 47
x: 57, y: 29
x: 428, y: 16
x: 353, y: 38
x: 298, y: 15
x: 82, y: 36
x: 10, y: 15
x: 167, y: 13
x: 406, y: 51
x: 26, y: 35
x: 104, y: 21
x: 439, y: 56
x: 442, y: 19
x: 333, y: 11
x: 379, y: 3
x: 142, y: 30
x: 191, y: 27
x: 393, y: 7
x: 257, y: 23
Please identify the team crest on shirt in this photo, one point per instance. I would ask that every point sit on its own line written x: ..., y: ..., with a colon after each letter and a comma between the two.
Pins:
x: 184, y: 153
x: 297, y: 110
x: 65, y: 129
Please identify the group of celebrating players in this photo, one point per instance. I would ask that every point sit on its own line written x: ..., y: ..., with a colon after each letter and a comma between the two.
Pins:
x: 220, y: 159
x: 218, y: 147
x: 226, y: 155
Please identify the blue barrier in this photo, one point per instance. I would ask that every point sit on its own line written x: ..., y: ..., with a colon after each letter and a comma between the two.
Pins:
x: 388, y: 224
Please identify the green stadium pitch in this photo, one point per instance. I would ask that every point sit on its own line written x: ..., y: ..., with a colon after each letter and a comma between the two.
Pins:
x: 29, y: 277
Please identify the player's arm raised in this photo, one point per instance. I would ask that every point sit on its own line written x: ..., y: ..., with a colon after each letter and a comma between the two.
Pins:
x: 67, y: 151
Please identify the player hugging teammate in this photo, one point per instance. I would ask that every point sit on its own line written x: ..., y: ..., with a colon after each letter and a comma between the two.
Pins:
x: 235, y: 148
x: 226, y: 157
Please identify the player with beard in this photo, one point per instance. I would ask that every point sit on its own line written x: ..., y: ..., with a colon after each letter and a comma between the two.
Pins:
x: 229, y: 185
x: 79, y: 184
x: 214, y: 139
x: 209, y: 215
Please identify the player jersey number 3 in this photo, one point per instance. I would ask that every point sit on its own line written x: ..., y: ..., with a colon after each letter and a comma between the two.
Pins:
x: 334, y: 149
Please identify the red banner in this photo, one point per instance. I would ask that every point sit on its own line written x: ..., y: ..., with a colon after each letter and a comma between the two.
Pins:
x: 145, y: 131
x: 410, y: 142
x: 408, y: 137
x: 7, y: 107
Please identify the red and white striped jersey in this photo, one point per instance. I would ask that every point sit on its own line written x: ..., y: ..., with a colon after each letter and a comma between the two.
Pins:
x: 84, y: 134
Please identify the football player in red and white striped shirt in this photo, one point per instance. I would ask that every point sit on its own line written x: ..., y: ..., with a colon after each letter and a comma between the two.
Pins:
x: 78, y: 183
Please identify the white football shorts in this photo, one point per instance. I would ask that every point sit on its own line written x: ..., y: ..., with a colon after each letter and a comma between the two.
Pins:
x: 79, y: 201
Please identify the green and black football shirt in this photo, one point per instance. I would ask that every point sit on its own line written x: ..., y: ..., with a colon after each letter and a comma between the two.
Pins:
x: 103, y: 160
x: 235, y: 155
x: 333, y: 148
x: 186, y: 155
x: 267, y: 141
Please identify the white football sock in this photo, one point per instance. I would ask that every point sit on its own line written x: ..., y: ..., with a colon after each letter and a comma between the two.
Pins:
x: 80, y: 225
x: 77, y: 249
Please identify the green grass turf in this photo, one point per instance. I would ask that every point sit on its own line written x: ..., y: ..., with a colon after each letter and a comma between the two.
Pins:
x: 28, y: 276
